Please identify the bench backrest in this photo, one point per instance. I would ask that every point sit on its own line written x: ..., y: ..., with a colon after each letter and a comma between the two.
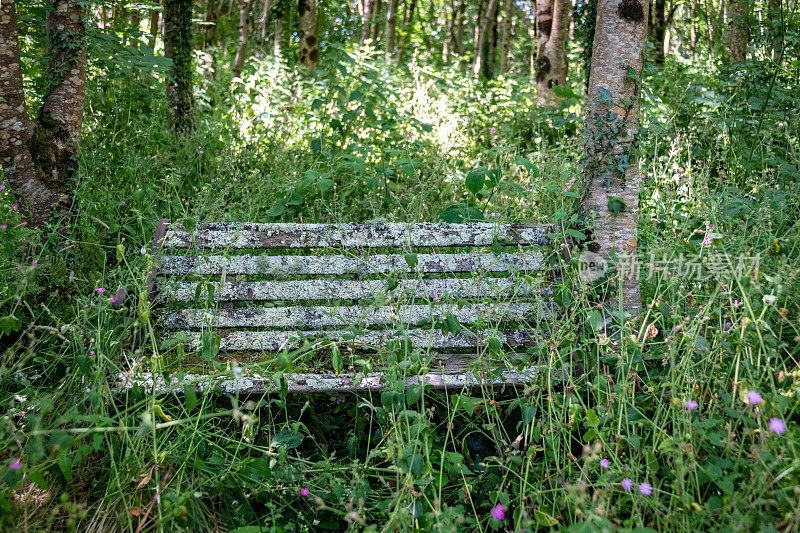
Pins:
x: 449, y: 288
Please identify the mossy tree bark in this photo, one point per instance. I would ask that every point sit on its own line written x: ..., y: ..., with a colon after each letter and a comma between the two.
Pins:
x: 552, y: 28
x: 178, y: 48
x: 737, y: 30
x: 611, y: 204
x: 309, y: 43
x: 38, y: 157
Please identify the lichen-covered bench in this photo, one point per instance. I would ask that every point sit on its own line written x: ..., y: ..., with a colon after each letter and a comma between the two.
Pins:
x: 451, y: 291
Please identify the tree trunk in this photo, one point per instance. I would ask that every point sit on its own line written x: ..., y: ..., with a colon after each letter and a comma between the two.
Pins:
x: 154, y: 16
x: 551, y: 52
x: 506, y: 43
x: 659, y: 21
x: 178, y: 48
x: 693, y: 25
x: 244, y: 34
x: 736, y: 32
x: 482, y: 65
x: 365, y: 22
x: 611, y: 204
x: 264, y: 23
x: 458, y: 31
x: 39, y: 157
x: 391, y: 27
x: 408, y: 21
x: 211, y: 18
x: 374, y: 26
x: 309, y: 45
x: 276, y: 45
x: 776, y: 42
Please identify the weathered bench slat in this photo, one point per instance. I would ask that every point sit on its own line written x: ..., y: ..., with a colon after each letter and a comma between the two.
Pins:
x: 387, y: 235
x: 340, y: 265
x: 324, y: 317
x: 324, y: 289
x: 254, y: 383
x: 271, y: 341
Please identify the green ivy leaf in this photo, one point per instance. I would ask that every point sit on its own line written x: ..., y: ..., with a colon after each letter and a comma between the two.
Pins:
x: 616, y: 204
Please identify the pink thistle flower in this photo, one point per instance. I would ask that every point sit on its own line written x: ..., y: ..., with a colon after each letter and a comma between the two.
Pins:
x: 777, y: 426
x: 646, y: 489
x: 754, y: 397
x: 499, y: 512
x: 604, y: 463
x: 15, y: 465
x: 627, y: 483
x: 304, y: 492
x: 691, y: 404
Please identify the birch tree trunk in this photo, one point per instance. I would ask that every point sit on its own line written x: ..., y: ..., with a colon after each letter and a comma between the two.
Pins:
x: 309, y: 44
x: 178, y: 47
x: 391, y: 26
x: 505, y: 46
x: 611, y: 202
x: 551, y: 52
x: 38, y: 157
x: 264, y: 23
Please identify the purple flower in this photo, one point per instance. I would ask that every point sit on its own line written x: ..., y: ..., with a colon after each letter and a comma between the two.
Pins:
x: 754, y: 397
x: 604, y: 463
x: 304, y: 492
x: 15, y: 465
x: 691, y: 404
x: 777, y: 425
x: 499, y: 512
x: 101, y: 290
x: 646, y: 489
x: 627, y: 483
x: 3, y: 226
x: 728, y: 325
x: 14, y: 207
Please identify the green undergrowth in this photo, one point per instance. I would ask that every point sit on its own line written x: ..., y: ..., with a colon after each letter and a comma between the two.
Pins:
x: 661, y: 400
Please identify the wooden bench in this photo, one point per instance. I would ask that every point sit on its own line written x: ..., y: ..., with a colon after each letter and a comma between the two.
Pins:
x: 450, y: 292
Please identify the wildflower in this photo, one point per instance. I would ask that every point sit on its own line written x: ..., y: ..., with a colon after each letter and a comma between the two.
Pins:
x: 2, y: 187
x: 737, y: 303
x: 754, y: 397
x: 113, y: 299
x: 304, y: 492
x: 777, y: 425
x: 101, y: 290
x: 14, y: 207
x: 91, y: 353
x: 15, y: 465
x: 728, y: 325
x: 691, y: 404
x: 604, y: 463
x: 202, y: 152
x: 499, y: 512
x: 646, y: 489
x: 627, y: 483
x: 3, y: 226
x: 122, y: 202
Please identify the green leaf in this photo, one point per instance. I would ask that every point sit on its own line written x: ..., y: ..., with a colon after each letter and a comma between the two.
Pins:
x: 595, y: 320
x: 543, y: 519
x: 457, y: 213
x: 412, y: 260
x: 10, y: 323
x: 277, y: 209
x: 316, y: 145
x: 287, y: 439
x: 616, y: 204
x: 576, y: 234
x: 475, y: 180
x: 452, y: 324
x: 336, y: 359
x: 605, y: 96
x: 189, y: 398
x: 324, y: 184
x: 316, y: 104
